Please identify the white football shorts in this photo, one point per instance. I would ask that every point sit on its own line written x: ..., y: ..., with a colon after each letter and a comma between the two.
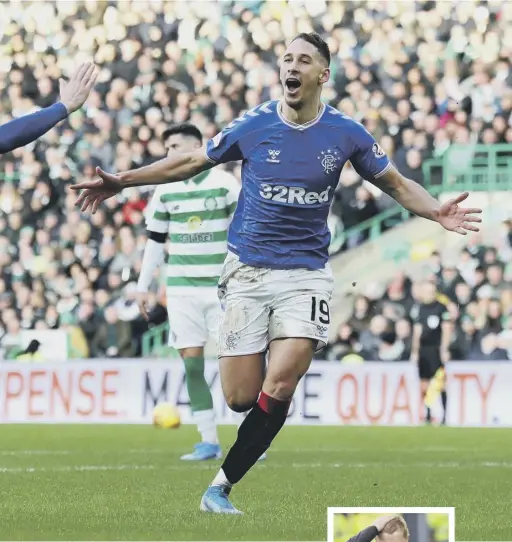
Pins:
x: 193, y: 318
x: 260, y: 305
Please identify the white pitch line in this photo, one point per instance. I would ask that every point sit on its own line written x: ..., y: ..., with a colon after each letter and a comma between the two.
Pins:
x: 77, y: 468
x: 158, y: 451
x: 269, y: 465
x: 442, y: 465
x: 34, y: 452
x: 340, y: 449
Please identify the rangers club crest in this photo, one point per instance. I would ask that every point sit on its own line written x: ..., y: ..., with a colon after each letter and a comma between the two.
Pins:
x: 329, y: 160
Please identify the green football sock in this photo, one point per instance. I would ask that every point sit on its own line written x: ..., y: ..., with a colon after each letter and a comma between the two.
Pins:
x: 198, y: 390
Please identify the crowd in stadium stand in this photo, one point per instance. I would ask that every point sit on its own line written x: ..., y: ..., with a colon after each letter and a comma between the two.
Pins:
x: 477, y: 288
x: 416, y: 80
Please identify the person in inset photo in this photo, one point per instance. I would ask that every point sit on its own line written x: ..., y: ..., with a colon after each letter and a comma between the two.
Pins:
x: 384, y: 529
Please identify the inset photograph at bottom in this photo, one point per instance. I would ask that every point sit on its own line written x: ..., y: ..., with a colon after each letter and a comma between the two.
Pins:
x: 391, y: 524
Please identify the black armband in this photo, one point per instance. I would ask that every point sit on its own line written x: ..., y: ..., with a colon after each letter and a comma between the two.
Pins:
x: 157, y: 237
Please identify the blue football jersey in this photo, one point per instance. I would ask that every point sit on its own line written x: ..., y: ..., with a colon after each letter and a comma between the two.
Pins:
x: 289, y: 175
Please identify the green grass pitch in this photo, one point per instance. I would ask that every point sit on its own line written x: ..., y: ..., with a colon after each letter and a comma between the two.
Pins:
x: 127, y: 482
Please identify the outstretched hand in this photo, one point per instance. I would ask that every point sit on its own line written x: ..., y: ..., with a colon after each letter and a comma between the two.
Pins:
x: 95, y: 192
x: 74, y: 92
x: 457, y: 219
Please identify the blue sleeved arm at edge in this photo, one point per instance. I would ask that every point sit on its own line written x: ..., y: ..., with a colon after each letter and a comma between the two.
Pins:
x: 24, y: 130
x: 366, y: 535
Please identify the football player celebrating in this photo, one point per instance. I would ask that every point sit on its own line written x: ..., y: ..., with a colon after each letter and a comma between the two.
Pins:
x: 276, y: 283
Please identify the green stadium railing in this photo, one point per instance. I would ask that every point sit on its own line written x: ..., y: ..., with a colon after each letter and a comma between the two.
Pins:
x: 477, y: 168
x: 154, y: 343
x: 374, y: 227
x: 486, y: 168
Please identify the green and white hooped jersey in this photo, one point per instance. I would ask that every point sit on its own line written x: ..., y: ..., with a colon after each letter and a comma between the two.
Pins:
x: 196, y: 215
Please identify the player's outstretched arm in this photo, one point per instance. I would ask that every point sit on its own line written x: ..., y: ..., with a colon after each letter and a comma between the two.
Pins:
x: 418, y: 201
x: 168, y: 170
x: 24, y: 130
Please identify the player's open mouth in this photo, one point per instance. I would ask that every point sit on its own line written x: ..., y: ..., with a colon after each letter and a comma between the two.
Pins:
x: 292, y: 85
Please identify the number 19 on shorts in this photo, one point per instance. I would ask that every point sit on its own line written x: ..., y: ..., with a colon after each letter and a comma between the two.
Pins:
x: 320, y: 311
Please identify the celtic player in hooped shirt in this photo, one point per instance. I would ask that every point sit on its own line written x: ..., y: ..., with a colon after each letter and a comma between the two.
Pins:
x: 276, y: 282
x: 194, y: 216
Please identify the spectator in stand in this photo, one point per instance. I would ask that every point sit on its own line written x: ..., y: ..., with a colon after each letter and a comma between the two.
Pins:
x: 347, y: 348
x: 113, y: 339
x: 391, y: 347
x: 403, y: 332
x: 449, y: 280
x: 372, y: 336
x: 479, y: 302
x: 397, y: 300
x: 490, y: 348
x: 362, y: 314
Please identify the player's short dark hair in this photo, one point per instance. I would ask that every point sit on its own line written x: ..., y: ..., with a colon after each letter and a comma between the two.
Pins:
x: 186, y: 129
x: 317, y: 41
